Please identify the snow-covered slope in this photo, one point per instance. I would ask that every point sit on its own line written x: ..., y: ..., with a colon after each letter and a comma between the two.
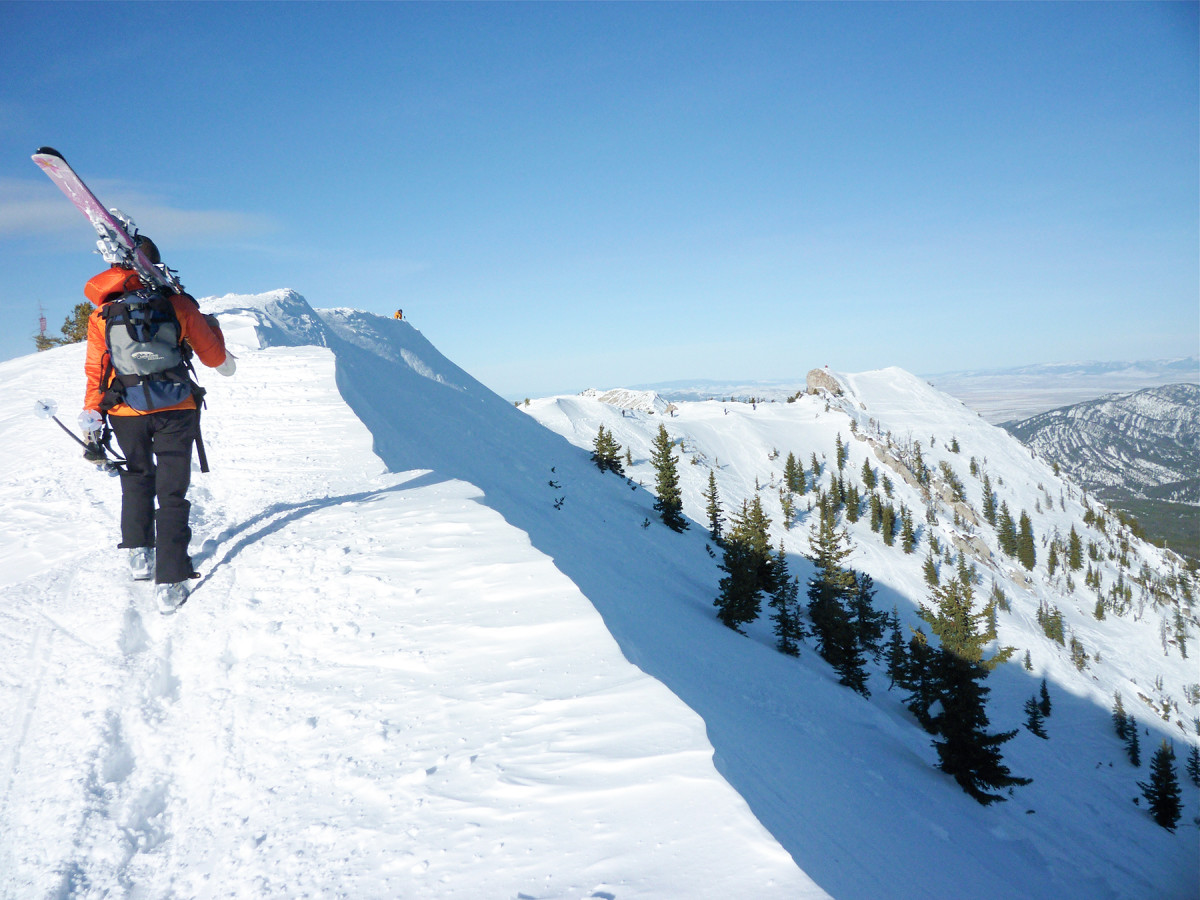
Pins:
x: 380, y: 687
x: 1081, y: 805
x: 392, y: 680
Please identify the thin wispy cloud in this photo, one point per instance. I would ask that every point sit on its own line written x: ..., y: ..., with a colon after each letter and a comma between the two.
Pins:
x: 31, y: 209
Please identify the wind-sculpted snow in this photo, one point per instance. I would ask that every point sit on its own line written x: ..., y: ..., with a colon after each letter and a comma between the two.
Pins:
x: 392, y: 680
x: 378, y: 689
x: 276, y: 319
x: 883, y: 813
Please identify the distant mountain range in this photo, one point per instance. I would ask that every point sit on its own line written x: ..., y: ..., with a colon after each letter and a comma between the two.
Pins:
x: 1144, y: 444
x: 1007, y: 395
x: 1138, y: 451
x: 999, y: 395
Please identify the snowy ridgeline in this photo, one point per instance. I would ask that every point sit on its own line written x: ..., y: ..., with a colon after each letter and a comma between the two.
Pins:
x: 436, y: 653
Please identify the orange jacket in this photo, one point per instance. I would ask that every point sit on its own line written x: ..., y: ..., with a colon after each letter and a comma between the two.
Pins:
x: 205, y: 340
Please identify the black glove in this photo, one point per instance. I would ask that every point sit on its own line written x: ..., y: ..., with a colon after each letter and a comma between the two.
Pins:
x: 93, y: 452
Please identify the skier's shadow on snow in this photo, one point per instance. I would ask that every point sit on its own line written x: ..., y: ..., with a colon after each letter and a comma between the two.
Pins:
x: 279, y: 516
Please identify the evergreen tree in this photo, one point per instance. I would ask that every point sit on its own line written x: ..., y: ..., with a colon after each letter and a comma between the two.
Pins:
x: 739, y: 600
x: 1044, y: 700
x: 1132, y: 744
x: 1074, y: 551
x: 1026, y: 551
x: 887, y: 524
x: 853, y: 503
x: 748, y: 566
x: 713, y: 507
x: 74, y: 328
x: 965, y: 749
x: 1120, y: 718
x: 666, y: 481
x: 1034, y: 718
x: 1006, y: 531
x: 1162, y: 790
x: 830, y: 593
x: 1193, y: 765
x: 931, y: 570
x: 793, y: 475
x: 989, y: 501
x: 920, y: 680
x: 787, y: 627
x: 894, y: 654
x: 869, y: 623
x: 606, y: 452
x: 908, y: 535
x: 868, y: 475
x: 876, y: 512
x: 841, y: 453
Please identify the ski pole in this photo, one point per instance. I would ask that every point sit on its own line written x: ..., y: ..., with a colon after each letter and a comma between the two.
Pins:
x: 46, y: 409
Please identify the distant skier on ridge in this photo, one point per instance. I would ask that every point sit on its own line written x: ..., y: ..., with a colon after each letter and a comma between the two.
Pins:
x: 139, y: 344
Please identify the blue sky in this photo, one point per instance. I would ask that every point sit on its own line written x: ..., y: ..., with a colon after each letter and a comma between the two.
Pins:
x: 572, y: 195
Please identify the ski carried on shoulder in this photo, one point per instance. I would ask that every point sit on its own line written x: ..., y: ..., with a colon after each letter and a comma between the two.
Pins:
x: 118, y: 242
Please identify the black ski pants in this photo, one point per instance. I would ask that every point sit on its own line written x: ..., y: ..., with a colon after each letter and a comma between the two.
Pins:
x: 158, y: 465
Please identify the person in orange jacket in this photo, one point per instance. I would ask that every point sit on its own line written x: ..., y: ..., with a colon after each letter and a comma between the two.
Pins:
x: 154, y: 417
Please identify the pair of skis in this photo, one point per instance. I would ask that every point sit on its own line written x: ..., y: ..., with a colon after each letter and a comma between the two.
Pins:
x: 118, y: 242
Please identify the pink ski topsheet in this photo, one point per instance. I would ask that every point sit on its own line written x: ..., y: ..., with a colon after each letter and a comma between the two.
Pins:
x: 52, y: 163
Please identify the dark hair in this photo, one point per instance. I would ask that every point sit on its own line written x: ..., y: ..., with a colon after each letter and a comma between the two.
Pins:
x: 148, y: 247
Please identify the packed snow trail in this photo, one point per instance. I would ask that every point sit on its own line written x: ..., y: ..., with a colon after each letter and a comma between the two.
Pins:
x: 146, y: 746
x: 379, y: 688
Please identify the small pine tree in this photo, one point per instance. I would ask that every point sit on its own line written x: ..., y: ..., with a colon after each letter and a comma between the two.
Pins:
x: 749, y: 567
x: 793, y: 475
x: 713, y: 507
x: 1006, y: 531
x: 830, y: 594
x: 841, y: 453
x: 785, y: 602
x: 895, y: 654
x: 74, y: 328
x: 1162, y: 790
x: 1034, y: 718
x: 1193, y: 765
x: 908, y: 532
x: 989, y: 501
x: 606, y: 452
x: 868, y: 622
x: 1044, y: 699
x: 966, y: 750
x: 1132, y: 745
x: 666, y: 480
x: 1074, y: 551
x: 931, y: 570
x: 1120, y: 717
x: 887, y: 525
x: 1026, y: 550
x: 919, y: 680
x: 868, y: 475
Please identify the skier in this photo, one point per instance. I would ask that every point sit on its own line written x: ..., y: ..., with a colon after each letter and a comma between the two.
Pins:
x: 139, y: 342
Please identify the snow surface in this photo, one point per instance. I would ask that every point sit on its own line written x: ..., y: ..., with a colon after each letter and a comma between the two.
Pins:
x: 436, y: 653
x: 380, y: 688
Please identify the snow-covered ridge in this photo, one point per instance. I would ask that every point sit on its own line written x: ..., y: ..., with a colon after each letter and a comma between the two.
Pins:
x: 623, y: 398
x: 406, y: 671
